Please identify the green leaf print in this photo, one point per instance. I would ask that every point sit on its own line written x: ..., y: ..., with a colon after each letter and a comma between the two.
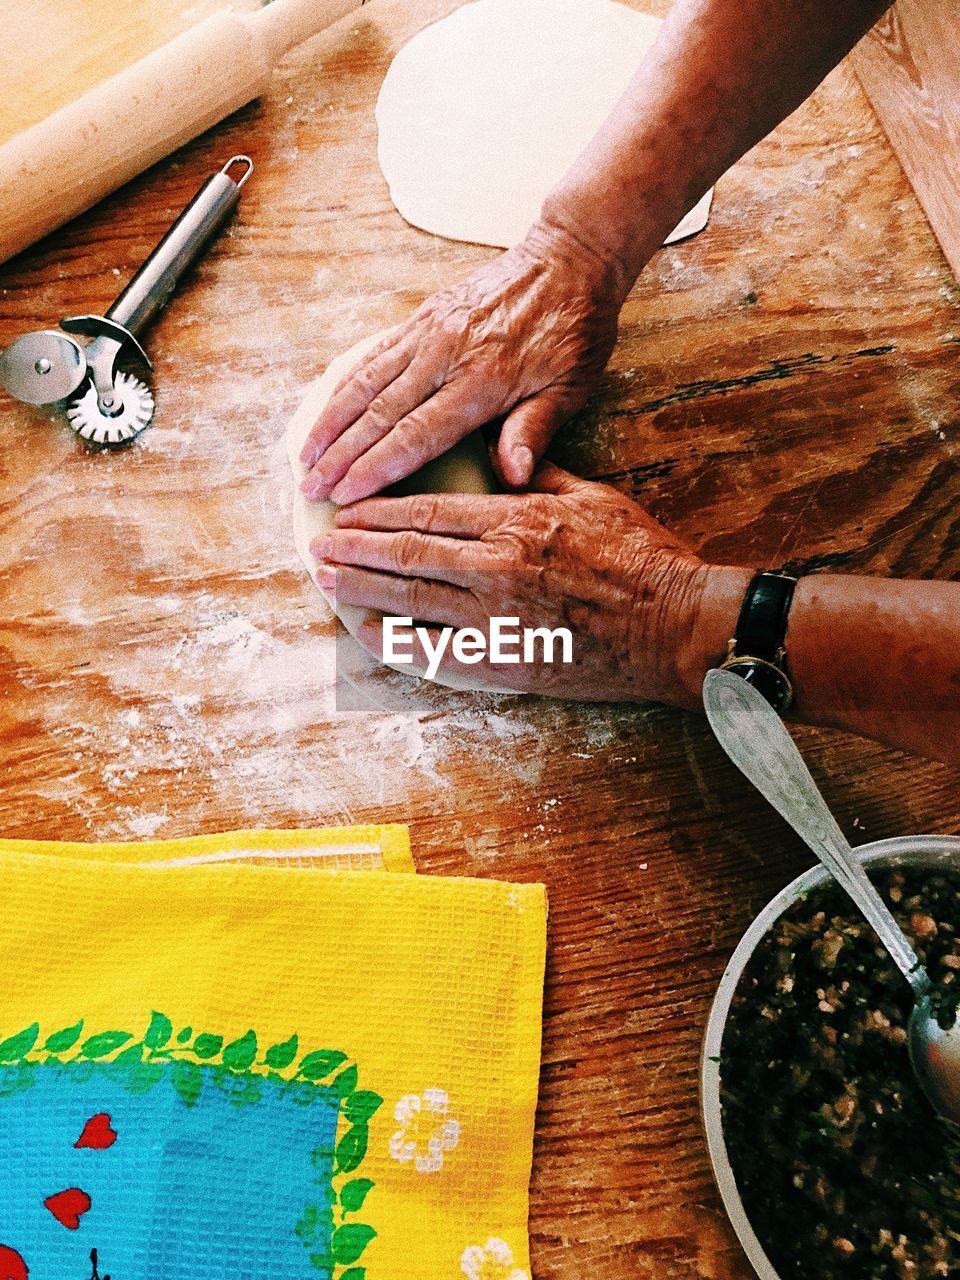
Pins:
x: 63, y: 1040
x: 309, y: 1225
x: 140, y: 1079
x: 345, y: 1083
x: 351, y: 1148
x: 188, y: 1081
x: 349, y: 1242
x: 132, y: 1054
x: 360, y: 1106
x: 102, y: 1045
x: 354, y: 1193
x: 159, y: 1031
x: 322, y: 1063
x: 280, y: 1056
x: 16, y: 1047
x: 207, y: 1046
x: 239, y: 1055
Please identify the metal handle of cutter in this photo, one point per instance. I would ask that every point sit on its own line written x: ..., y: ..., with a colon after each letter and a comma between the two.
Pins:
x: 150, y: 289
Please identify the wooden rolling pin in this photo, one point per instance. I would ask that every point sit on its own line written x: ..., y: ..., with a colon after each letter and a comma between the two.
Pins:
x: 64, y: 164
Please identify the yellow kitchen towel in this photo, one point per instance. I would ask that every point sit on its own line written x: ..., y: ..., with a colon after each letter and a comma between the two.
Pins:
x: 385, y: 847
x: 261, y: 1073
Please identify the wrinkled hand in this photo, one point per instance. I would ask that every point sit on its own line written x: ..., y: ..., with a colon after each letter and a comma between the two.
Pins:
x: 570, y: 554
x: 527, y: 336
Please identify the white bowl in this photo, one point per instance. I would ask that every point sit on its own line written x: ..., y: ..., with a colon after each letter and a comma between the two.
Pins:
x: 903, y: 851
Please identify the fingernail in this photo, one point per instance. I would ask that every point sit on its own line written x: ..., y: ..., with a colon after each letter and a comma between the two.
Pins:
x: 309, y: 454
x: 523, y: 462
x: 327, y: 578
x: 321, y: 547
x: 341, y: 494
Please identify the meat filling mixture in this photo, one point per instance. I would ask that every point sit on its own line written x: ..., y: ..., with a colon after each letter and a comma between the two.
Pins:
x: 843, y: 1167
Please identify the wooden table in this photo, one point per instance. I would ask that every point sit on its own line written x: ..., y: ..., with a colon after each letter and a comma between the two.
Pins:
x: 786, y: 386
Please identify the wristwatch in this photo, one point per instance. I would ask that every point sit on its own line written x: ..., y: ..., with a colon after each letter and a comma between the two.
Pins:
x: 757, y: 652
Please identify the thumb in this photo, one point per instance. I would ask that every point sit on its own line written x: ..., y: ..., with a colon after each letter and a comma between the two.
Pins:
x: 549, y: 478
x: 525, y: 435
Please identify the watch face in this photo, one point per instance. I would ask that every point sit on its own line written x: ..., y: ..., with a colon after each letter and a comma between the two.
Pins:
x: 769, y: 679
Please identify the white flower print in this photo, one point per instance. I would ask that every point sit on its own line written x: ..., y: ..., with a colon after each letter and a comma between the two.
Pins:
x: 491, y: 1261
x: 427, y: 1130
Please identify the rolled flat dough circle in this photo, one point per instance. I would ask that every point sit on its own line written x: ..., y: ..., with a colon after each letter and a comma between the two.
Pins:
x: 481, y: 114
x: 465, y: 469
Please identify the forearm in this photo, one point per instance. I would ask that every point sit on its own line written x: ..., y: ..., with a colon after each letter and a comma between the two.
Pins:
x: 881, y: 658
x: 876, y: 656
x: 721, y: 75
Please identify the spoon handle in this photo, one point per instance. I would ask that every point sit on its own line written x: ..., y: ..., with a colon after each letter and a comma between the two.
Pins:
x: 755, y: 739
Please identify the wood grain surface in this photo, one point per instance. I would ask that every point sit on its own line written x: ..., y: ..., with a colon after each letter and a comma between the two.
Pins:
x: 785, y: 387
x: 910, y: 67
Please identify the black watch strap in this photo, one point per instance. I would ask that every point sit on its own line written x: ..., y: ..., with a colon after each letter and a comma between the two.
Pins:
x: 757, y: 651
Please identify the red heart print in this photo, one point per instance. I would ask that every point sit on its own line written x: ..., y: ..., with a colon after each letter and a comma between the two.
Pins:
x: 68, y: 1207
x: 97, y: 1134
x: 12, y: 1266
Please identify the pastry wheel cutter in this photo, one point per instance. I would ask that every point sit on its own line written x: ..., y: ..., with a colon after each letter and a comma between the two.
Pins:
x: 106, y: 405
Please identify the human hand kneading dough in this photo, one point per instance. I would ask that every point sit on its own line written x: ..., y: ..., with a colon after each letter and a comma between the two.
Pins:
x: 634, y: 598
x: 527, y: 336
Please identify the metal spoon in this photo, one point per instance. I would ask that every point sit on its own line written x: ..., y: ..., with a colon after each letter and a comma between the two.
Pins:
x: 755, y: 739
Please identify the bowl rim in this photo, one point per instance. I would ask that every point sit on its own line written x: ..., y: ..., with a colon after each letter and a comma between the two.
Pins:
x: 904, y: 850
